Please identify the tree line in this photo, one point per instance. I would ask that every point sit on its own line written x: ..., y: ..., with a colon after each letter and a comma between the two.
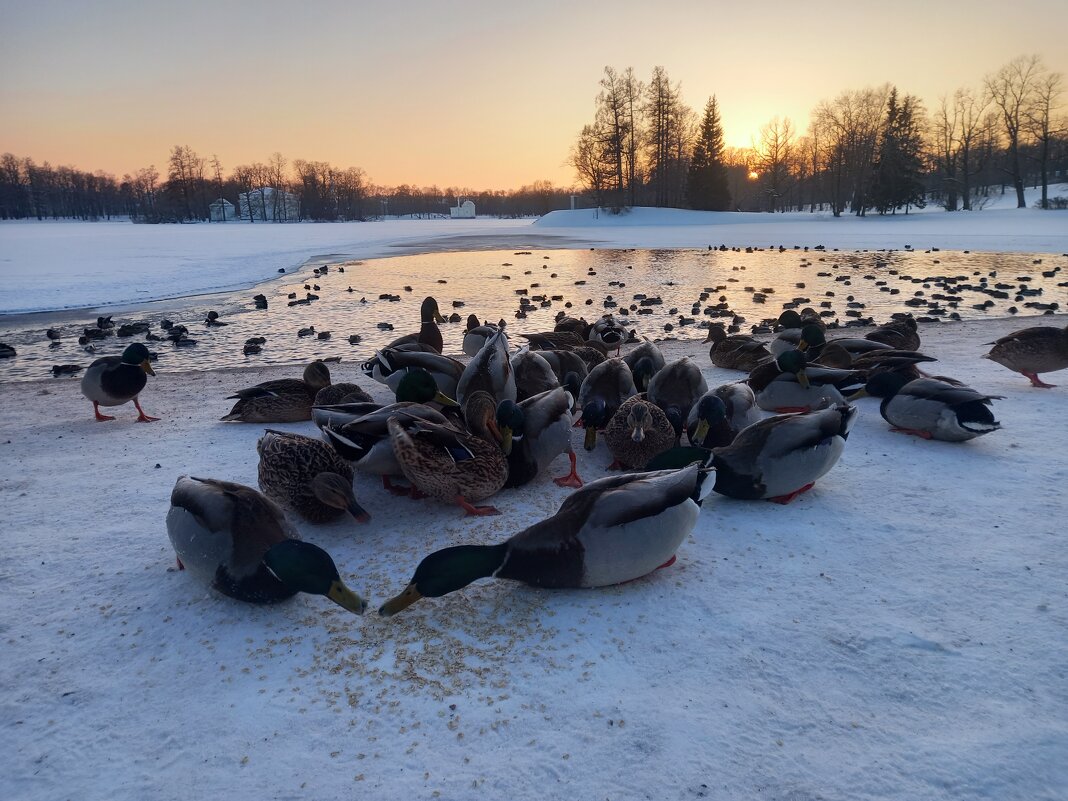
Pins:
x: 874, y: 149
x: 193, y: 183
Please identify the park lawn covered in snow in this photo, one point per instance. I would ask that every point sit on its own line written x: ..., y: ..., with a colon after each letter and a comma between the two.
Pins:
x: 899, y: 632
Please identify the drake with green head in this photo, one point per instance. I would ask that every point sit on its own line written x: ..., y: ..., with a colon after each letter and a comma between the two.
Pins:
x: 233, y: 538
x: 720, y: 414
x: 931, y: 408
x: 675, y: 389
x: 790, y: 384
x: 645, y: 361
x: 603, y: 391
x: 611, y: 531
x: 115, y: 380
x: 533, y: 433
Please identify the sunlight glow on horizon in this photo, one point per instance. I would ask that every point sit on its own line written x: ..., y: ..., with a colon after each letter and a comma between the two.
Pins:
x: 477, y: 96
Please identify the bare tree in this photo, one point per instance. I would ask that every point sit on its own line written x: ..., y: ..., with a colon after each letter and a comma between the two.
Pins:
x: 1012, y: 91
x: 774, y: 158
x: 1042, y: 126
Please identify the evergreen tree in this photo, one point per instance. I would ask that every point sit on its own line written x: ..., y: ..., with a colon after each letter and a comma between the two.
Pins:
x: 706, y: 186
x: 898, y: 168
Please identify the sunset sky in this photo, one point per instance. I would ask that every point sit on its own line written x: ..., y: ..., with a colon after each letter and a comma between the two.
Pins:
x: 480, y: 94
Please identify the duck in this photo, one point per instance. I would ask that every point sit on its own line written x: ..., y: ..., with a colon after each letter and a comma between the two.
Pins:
x: 453, y: 464
x: 577, y: 325
x: 389, y: 365
x: 569, y: 368
x: 307, y: 476
x: 534, y: 432
x: 737, y: 352
x: 284, y: 400
x: 720, y: 414
x: 608, y: 332
x: 533, y: 374
x: 341, y: 393
x: 611, y: 531
x: 603, y: 391
x: 900, y: 333
x: 237, y: 540
x: 676, y: 388
x: 115, y: 380
x: 554, y: 340
x: 644, y: 362
x: 489, y: 371
x: 416, y: 386
x: 1030, y: 351
x: 931, y: 408
x: 789, y: 325
x: 638, y: 431
x: 429, y: 333
x: 780, y: 457
x: 790, y: 384
x: 477, y: 334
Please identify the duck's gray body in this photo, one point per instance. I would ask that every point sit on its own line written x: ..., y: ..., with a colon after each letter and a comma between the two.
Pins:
x: 109, y: 382
x: 944, y: 411
x: 489, y: 370
x: 533, y: 374
x: 548, y: 425
x: 365, y: 442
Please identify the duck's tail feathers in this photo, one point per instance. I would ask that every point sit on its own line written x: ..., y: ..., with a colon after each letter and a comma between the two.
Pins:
x: 705, y: 478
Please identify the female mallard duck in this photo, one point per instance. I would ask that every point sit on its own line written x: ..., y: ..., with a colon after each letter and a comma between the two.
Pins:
x: 1030, y: 351
x: 429, y: 333
x: 240, y: 542
x: 720, y: 414
x: 115, y: 380
x: 602, y: 393
x: 389, y: 366
x: 930, y: 408
x: 675, y: 389
x: 554, y: 340
x: 307, y: 476
x: 577, y: 325
x: 899, y: 333
x: 449, y: 463
x: 285, y: 400
x: 637, y: 432
x: 533, y: 375
x: 611, y: 531
x: 737, y: 352
x: 533, y: 433
x: 644, y: 362
x: 780, y: 457
x: 789, y: 384
x: 341, y: 393
x: 489, y: 371
x: 477, y: 334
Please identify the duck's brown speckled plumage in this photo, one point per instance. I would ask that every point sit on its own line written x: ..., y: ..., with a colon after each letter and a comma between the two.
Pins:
x: 288, y: 463
x: 285, y: 400
x: 658, y: 433
x: 1039, y: 349
x: 341, y: 393
x: 738, y: 352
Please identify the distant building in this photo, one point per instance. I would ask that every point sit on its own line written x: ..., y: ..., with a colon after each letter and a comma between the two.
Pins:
x: 222, y: 210
x: 268, y: 204
x: 464, y: 211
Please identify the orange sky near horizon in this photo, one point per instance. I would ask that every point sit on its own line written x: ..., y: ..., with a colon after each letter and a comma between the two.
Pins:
x: 471, y: 94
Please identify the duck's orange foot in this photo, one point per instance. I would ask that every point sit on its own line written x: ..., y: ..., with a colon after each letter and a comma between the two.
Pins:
x: 785, y: 499
x: 669, y: 562
x: 1038, y: 382
x: 141, y: 416
x: 102, y: 418
x: 480, y: 511
x: 392, y: 488
x: 571, y: 479
x: 915, y: 432
x: 616, y: 465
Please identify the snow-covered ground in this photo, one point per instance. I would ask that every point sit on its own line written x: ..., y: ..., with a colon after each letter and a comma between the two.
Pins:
x: 900, y: 632
x: 79, y: 265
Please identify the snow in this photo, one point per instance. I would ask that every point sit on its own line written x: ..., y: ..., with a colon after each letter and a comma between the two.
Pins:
x: 81, y: 265
x: 896, y: 633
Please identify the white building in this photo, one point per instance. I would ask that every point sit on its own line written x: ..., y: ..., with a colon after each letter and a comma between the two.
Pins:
x: 222, y: 210
x: 268, y: 204
x: 464, y: 211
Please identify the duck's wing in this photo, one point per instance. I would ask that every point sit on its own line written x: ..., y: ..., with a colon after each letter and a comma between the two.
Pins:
x: 544, y: 409
x: 942, y: 392
x: 1027, y: 335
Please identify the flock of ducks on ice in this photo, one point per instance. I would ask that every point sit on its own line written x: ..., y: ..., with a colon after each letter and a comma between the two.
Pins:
x: 460, y: 433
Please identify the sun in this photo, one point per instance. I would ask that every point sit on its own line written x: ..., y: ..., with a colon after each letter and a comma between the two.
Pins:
x: 753, y: 175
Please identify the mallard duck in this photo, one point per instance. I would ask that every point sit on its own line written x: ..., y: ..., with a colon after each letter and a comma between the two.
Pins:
x: 554, y: 340
x: 533, y: 433
x: 892, y: 360
x: 790, y: 384
x: 602, y: 393
x: 240, y: 542
x: 569, y: 368
x: 1030, y: 351
x: 284, y: 400
x: 477, y: 334
x: 389, y: 366
x: 341, y: 393
x: 637, y: 432
x: 789, y: 327
x: 930, y: 408
x: 899, y: 334
x: 415, y: 386
x: 338, y: 414
x: 591, y: 354
x: 533, y: 374
x: 489, y: 371
x: 452, y: 464
x: 644, y: 362
x: 675, y: 389
x: 611, y: 531
x: 115, y: 380
x: 737, y: 352
x: 720, y: 414
x: 608, y: 332
x: 780, y: 457
x: 307, y: 476
x: 429, y: 333
x: 576, y: 325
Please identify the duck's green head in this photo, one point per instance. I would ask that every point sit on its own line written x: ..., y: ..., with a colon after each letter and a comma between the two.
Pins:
x: 336, y: 491
x: 793, y: 361
x: 643, y: 373
x: 304, y: 567
x: 789, y: 319
x: 711, y: 412
x: 511, y: 422
x: 811, y: 337
x: 881, y: 385
x: 594, y: 416
x: 137, y: 354
x: 446, y: 571
x: 419, y: 386
x: 317, y: 375
x: 429, y: 312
